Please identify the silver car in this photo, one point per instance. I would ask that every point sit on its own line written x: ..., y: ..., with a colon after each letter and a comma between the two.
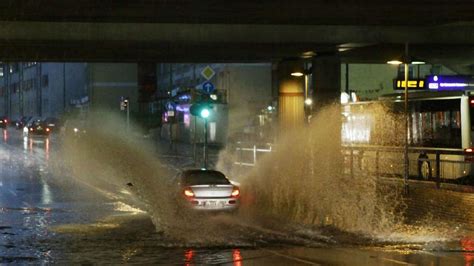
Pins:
x: 207, y: 190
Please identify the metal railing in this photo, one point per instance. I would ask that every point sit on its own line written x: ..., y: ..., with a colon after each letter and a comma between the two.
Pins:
x: 247, y: 155
x: 441, y: 165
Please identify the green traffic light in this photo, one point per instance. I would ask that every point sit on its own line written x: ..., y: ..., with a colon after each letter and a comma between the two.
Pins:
x: 205, y: 113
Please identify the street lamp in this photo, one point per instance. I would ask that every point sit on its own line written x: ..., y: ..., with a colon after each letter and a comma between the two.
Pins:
x: 406, y: 61
x: 308, y: 102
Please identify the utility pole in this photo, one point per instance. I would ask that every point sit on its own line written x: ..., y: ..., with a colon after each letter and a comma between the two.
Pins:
x: 64, y: 87
x: 6, y: 78
x: 20, y: 88
x: 40, y: 89
x: 407, y: 117
x: 128, y: 114
x: 170, y: 99
x: 195, y: 119
x: 205, y: 143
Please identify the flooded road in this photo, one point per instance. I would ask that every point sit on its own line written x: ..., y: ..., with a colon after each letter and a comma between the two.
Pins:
x: 46, y: 216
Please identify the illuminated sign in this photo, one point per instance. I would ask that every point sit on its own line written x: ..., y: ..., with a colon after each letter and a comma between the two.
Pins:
x: 413, y: 84
x: 450, y: 83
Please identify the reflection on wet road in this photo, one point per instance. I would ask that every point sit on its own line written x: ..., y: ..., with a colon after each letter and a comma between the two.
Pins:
x: 48, y: 217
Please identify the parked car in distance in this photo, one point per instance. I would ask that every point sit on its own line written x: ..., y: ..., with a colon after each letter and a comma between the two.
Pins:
x: 38, y: 127
x: 206, y: 190
x: 3, y: 122
x: 53, y: 123
x: 22, y: 122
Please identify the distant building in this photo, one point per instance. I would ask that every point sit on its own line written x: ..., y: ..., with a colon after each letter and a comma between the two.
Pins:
x: 41, y: 89
x: 108, y: 82
x: 53, y: 89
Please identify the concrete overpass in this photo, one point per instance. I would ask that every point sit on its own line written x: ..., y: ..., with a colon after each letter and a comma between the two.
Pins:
x: 325, y: 32
x: 440, y: 31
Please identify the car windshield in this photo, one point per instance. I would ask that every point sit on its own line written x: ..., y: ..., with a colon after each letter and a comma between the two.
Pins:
x: 199, y: 177
x: 36, y: 123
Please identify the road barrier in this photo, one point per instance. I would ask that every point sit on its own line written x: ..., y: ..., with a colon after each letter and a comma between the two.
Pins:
x: 430, y: 164
x: 247, y: 155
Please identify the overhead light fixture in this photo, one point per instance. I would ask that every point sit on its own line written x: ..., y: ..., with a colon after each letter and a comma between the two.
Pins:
x: 308, y: 54
x: 343, y: 49
x: 394, y: 62
x: 297, y: 74
x: 406, y: 60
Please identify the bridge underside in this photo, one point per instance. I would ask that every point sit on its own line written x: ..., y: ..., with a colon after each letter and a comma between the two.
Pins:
x: 242, y: 31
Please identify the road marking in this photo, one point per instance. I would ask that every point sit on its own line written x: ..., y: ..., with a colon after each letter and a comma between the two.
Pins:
x: 290, y: 257
x: 397, y: 261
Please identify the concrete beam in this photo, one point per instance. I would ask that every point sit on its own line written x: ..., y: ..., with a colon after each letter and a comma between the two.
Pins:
x: 244, y: 33
x: 296, y: 12
x: 170, y: 42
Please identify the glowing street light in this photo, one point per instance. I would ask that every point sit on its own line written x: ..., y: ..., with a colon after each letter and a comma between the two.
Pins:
x: 307, y: 101
x: 297, y: 74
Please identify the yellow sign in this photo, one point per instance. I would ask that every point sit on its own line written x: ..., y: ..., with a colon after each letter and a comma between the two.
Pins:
x: 412, y: 84
x: 208, y: 73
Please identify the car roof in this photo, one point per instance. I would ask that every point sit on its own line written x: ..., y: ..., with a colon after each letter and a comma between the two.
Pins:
x: 192, y: 171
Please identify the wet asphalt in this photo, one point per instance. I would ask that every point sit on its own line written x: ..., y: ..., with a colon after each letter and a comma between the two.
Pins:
x: 48, y: 217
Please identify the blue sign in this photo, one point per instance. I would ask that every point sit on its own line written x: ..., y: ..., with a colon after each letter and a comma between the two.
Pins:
x: 450, y: 83
x: 169, y: 106
x: 208, y: 87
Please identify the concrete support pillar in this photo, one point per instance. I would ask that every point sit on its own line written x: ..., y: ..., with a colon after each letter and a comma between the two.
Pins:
x: 326, y: 80
x: 290, y: 95
x: 328, y: 122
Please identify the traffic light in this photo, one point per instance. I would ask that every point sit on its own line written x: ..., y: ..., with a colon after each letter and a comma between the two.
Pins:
x: 123, y: 103
x: 202, y: 110
x: 205, y: 112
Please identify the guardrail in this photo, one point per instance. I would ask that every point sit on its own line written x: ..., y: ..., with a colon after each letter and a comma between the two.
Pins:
x: 380, y: 160
x: 248, y: 155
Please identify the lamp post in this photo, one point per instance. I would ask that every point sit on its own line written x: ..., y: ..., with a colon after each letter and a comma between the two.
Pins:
x: 406, y: 61
x: 308, y: 102
x: 205, y: 115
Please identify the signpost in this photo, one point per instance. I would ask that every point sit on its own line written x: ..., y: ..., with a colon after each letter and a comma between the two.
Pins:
x: 208, y: 73
x: 203, y: 110
x: 208, y: 87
